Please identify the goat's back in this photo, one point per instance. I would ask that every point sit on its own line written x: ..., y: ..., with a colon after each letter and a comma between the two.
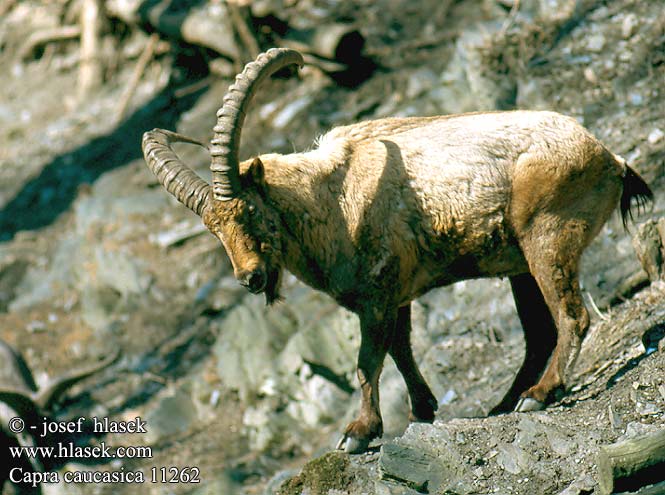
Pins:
x: 463, y: 172
x: 471, y: 183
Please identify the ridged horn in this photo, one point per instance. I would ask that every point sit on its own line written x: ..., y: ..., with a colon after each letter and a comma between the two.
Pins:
x: 226, y: 134
x: 176, y: 177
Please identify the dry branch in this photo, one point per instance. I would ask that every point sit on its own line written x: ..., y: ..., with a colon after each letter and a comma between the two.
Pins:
x: 243, y: 30
x: 207, y: 26
x: 6, y: 6
x: 324, y: 40
x: 626, y: 459
x: 327, y: 46
x: 141, y: 64
x: 39, y: 38
x: 90, y: 70
x: 510, y: 20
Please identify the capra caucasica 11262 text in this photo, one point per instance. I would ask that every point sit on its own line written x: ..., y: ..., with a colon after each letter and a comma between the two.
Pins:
x: 382, y: 211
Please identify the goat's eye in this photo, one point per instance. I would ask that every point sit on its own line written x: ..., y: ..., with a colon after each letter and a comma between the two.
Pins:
x: 251, y: 209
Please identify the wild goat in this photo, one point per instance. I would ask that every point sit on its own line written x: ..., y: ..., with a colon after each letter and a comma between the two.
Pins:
x: 20, y: 397
x: 383, y: 211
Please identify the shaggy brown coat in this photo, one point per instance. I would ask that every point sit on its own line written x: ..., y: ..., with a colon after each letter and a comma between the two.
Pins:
x: 380, y: 212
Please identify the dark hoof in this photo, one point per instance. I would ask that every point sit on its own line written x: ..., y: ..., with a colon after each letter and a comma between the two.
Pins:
x: 424, y: 414
x: 527, y: 404
x: 352, y: 445
x: 421, y: 419
x: 503, y: 408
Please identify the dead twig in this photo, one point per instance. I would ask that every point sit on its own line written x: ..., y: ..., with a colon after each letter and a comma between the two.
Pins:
x: 313, y: 59
x: 139, y: 69
x: 201, y: 26
x: 90, y: 69
x: 428, y: 41
x: 155, y: 377
x: 243, y: 30
x: 627, y: 458
x: 39, y: 38
x: 602, y: 316
x: 6, y: 6
x: 510, y: 20
x: 192, y: 88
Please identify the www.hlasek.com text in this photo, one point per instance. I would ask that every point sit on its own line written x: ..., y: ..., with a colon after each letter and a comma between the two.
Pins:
x: 71, y: 451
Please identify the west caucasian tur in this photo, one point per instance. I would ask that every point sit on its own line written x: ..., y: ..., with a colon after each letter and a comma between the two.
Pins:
x: 380, y: 212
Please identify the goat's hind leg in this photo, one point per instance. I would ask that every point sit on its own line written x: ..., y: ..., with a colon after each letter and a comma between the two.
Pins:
x: 554, y: 265
x: 540, y: 337
x: 423, y: 402
x: 376, y: 332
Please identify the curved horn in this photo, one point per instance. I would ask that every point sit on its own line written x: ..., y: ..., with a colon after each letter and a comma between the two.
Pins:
x: 226, y: 138
x: 176, y: 177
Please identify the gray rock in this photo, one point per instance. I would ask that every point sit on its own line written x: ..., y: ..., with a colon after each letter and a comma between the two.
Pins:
x: 99, y: 306
x: 420, y: 81
x: 647, y: 408
x: 12, y: 271
x: 465, y: 85
x: 220, y: 484
x: 79, y: 262
x: 318, y: 401
x: 655, y: 136
x: 596, y: 42
x: 119, y: 270
x: 649, y: 244
x: 174, y: 413
x: 180, y: 232
x: 284, y: 117
x: 106, y: 207
x: 327, y: 334
x: 512, y: 458
x: 247, y: 349
x: 629, y: 25
x: 267, y: 426
x: 560, y: 443
x: 278, y: 478
x: 424, y: 458
x: 394, y: 401
x: 585, y: 484
x: 42, y: 282
x: 415, y: 468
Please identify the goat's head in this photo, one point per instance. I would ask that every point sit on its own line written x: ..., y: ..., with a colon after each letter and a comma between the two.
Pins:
x: 234, y: 207
x: 248, y: 228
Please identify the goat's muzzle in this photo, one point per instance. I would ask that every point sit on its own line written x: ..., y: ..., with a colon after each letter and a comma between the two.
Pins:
x: 254, y: 281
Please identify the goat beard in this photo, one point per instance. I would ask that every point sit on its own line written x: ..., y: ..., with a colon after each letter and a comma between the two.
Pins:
x: 273, y: 285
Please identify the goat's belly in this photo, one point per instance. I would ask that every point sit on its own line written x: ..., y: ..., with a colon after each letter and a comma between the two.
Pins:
x: 506, y: 260
x: 503, y: 259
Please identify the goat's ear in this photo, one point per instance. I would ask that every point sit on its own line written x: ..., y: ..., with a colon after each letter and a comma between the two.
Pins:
x: 257, y: 173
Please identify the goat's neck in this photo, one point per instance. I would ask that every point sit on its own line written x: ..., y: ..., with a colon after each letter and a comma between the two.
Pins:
x: 305, y: 189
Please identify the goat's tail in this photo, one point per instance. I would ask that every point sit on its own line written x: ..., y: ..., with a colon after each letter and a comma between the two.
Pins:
x: 633, y: 187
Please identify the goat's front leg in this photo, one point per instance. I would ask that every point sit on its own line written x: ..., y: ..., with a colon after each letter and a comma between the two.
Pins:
x: 376, y: 332
x: 423, y: 402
